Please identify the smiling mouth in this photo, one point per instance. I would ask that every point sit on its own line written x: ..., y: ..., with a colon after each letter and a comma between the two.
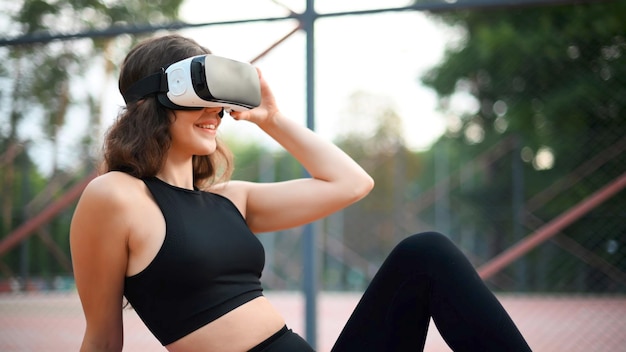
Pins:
x: 208, y: 127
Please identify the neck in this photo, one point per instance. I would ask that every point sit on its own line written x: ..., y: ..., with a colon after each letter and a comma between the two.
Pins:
x: 177, y: 172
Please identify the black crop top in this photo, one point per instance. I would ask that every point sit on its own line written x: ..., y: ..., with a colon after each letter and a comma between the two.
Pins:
x: 209, y: 264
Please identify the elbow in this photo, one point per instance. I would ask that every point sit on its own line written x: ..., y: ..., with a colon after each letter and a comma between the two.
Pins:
x: 102, y: 342
x: 101, y: 347
x: 369, y: 185
x: 362, y: 187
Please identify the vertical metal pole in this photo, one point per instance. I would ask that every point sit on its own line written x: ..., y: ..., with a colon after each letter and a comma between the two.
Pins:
x: 442, y: 205
x: 267, y: 174
x: 518, y: 207
x: 25, y: 258
x: 309, y: 235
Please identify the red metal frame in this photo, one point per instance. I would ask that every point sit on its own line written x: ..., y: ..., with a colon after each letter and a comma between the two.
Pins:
x: 550, y: 229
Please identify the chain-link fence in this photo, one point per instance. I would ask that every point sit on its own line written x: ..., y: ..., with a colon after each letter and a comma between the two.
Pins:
x: 528, y: 179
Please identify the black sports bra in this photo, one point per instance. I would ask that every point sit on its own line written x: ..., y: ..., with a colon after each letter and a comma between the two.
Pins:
x: 209, y: 264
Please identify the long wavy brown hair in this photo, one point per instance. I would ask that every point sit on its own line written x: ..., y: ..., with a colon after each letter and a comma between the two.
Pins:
x: 139, y: 139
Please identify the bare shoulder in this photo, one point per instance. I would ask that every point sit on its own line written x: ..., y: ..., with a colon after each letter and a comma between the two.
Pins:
x: 113, y: 194
x: 114, y: 187
x: 235, y: 191
x: 108, y: 204
x: 233, y: 188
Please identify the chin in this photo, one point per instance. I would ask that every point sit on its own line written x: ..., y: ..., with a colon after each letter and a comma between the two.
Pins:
x: 205, y: 152
x: 202, y: 150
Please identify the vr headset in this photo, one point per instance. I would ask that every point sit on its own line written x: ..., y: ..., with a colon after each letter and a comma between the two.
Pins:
x: 201, y: 81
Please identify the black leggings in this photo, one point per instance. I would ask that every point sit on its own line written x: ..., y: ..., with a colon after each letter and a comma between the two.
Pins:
x: 284, y: 340
x: 425, y: 276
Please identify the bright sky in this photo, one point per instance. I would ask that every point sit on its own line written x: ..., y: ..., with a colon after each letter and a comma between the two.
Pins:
x: 381, y: 54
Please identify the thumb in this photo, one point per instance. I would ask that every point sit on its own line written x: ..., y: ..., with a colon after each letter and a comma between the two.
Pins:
x: 239, y: 115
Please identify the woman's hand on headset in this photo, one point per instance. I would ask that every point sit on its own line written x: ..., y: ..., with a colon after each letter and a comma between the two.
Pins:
x: 264, y: 113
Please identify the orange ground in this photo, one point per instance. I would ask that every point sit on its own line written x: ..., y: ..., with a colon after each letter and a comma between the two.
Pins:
x: 54, y: 322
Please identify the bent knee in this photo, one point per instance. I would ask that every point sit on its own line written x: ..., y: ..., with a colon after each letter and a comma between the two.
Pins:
x: 428, y: 239
x: 424, y: 243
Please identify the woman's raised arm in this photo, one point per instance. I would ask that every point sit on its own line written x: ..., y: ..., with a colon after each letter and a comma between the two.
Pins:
x: 336, y: 180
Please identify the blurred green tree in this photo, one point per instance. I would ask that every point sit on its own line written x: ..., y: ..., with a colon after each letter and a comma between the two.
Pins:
x: 41, y: 83
x: 546, y: 83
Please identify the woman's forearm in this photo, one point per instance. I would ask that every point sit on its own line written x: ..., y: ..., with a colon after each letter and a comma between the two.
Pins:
x: 322, y: 159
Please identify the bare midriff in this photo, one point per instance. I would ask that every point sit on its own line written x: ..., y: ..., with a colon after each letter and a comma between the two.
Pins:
x: 237, y: 331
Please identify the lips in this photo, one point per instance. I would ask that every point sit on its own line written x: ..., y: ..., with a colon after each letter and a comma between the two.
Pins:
x: 209, y: 126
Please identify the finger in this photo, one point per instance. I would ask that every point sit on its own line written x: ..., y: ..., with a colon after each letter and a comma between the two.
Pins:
x: 235, y: 114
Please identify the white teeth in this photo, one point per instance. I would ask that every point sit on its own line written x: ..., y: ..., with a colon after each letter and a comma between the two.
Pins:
x: 210, y: 126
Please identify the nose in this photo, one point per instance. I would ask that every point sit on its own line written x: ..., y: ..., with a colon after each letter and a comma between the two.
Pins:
x: 212, y: 110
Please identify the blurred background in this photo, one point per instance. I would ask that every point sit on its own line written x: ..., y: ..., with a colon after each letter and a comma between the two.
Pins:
x: 500, y: 123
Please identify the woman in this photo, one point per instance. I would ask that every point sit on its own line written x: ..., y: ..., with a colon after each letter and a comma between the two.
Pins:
x: 166, y: 228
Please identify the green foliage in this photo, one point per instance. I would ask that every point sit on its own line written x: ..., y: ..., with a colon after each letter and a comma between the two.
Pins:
x: 538, y: 61
x: 246, y: 157
x: 37, y: 81
x: 553, y: 79
x: 382, y: 152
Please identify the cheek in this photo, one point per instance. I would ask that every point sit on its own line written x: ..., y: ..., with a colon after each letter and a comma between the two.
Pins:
x: 180, y: 128
x: 175, y: 134
x: 181, y: 136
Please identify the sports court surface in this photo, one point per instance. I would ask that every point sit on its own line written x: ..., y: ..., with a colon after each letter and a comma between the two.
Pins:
x: 53, y: 322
